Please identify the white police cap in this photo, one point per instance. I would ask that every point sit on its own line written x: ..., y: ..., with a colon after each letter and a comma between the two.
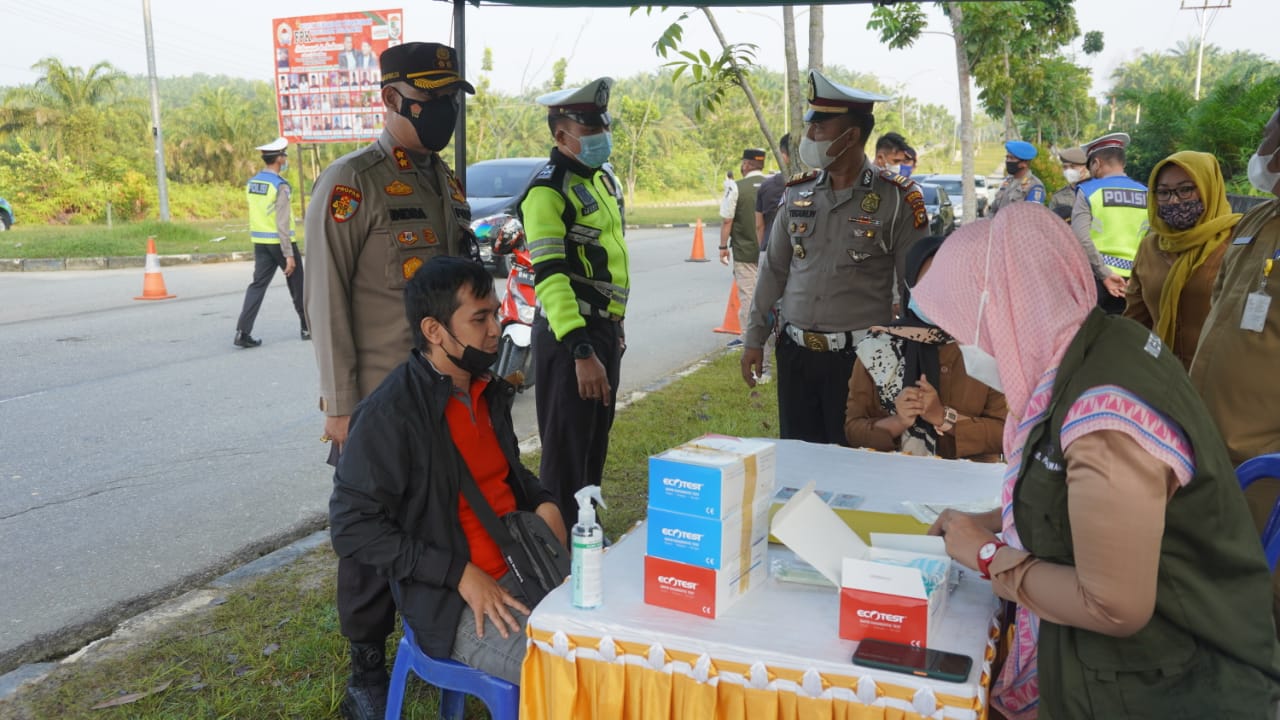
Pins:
x: 828, y: 99
x: 278, y: 145
x: 588, y: 104
x: 1110, y: 140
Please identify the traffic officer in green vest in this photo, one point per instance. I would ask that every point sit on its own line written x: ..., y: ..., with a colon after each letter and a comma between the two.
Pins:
x: 738, y: 231
x: 573, y: 219
x: 1019, y: 182
x: 1110, y: 218
x: 271, y: 228
x: 841, y: 237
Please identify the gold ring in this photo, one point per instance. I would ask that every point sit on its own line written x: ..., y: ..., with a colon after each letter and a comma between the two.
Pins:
x: 325, y: 438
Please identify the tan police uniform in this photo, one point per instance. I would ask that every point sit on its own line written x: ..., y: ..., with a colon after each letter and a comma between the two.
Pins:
x: 1014, y: 190
x: 376, y: 215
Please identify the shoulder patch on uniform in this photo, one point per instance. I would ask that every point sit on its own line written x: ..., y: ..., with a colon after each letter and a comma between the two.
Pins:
x: 545, y: 173
x: 344, y: 201
x: 803, y: 177
x: 901, y: 181
x: 919, y: 215
x: 1036, y: 194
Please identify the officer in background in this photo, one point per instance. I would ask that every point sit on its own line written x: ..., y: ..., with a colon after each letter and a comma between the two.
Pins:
x: 1019, y: 183
x: 573, y: 219
x: 1075, y: 171
x: 770, y: 194
x: 842, y: 233
x: 271, y: 228
x: 738, y: 230
x: 1109, y: 218
x: 376, y: 216
x: 891, y: 152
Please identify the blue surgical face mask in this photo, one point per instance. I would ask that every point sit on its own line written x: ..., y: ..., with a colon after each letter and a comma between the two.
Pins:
x: 594, y: 150
x: 905, y: 170
x: 915, y: 308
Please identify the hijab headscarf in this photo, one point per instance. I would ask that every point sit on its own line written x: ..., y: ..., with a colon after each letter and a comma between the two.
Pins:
x: 898, y: 355
x: 1195, y: 244
x: 1039, y: 290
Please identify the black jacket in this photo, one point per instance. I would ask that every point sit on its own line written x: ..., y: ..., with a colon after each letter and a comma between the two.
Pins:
x: 395, y: 494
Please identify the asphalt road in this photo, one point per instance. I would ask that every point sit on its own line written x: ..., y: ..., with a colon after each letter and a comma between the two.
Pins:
x: 141, y: 453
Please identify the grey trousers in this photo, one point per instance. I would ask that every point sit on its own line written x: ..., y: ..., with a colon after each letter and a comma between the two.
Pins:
x: 498, y: 656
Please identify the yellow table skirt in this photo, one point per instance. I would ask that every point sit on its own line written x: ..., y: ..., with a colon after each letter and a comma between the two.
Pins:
x: 581, y: 678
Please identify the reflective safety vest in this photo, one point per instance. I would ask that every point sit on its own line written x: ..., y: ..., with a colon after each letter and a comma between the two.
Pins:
x: 262, y: 191
x: 1119, y: 207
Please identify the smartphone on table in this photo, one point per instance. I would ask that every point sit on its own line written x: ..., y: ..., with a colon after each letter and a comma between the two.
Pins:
x: 923, y: 662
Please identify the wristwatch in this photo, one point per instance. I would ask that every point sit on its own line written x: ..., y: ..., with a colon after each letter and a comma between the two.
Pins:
x: 986, y: 554
x: 582, y: 351
x: 949, y: 418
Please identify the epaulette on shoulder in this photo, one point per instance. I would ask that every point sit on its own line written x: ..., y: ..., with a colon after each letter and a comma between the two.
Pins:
x: 365, y: 158
x: 803, y: 177
x: 544, y: 175
x: 901, y: 181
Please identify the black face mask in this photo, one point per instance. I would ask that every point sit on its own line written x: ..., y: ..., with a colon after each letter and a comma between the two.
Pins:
x: 473, y: 360
x: 1011, y: 168
x: 434, y: 120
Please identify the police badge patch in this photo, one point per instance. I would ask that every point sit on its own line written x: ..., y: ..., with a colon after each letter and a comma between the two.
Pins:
x: 343, y: 203
x: 398, y: 188
x: 871, y: 202
x: 408, y: 237
x: 402, y: 158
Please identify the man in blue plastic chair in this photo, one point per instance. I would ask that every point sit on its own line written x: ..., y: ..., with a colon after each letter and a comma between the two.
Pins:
x: 438, y: 420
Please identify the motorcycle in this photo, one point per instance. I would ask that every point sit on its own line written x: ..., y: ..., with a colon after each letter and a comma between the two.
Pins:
x: 505, y: 236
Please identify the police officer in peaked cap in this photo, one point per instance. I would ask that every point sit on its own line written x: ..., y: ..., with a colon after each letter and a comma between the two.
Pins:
x: 1019, y: 182
x: 840, y: 237
x: 376, y: 216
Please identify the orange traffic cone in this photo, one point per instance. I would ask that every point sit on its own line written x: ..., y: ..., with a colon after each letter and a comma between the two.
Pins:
x: 730, y: 324
x: 697, y: 254
x: 153, y: 282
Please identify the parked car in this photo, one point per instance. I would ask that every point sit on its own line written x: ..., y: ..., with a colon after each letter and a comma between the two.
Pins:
x: 6, y: 215
x: 942, y: 216
x: 493, y: 188
x: 955, y: 190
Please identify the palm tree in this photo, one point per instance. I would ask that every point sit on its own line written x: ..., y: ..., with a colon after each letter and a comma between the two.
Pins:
x: 62, y: 108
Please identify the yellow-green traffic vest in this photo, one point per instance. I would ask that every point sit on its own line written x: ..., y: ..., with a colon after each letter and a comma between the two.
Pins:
x: 262, y: 191
x: 1119, y: 206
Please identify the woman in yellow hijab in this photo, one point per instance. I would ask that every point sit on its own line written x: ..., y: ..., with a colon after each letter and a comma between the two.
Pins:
x: 1177, y: 262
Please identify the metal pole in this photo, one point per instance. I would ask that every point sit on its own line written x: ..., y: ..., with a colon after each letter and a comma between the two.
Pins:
x: 302, y: 183
x: 460, y: 133
x: 1200, y: 54
x: 162, y: 182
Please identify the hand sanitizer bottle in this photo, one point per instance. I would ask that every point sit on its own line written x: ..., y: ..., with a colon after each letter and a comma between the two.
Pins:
x: 588, y: 547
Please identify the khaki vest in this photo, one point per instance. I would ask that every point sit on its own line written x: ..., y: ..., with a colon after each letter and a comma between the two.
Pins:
x: 1209, y: 650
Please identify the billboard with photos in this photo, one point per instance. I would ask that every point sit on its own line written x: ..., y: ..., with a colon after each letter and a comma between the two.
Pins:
x: 327, y: 76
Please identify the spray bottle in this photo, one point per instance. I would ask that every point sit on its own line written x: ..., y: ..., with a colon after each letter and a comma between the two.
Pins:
x: 588, y: 547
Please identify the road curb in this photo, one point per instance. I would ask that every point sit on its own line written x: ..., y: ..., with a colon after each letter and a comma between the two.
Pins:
x: 137, y: 261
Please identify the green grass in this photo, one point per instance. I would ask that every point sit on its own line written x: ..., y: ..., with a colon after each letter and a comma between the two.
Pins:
x: 272, y: 649
x: 655, y: 215
x: 64, y: 241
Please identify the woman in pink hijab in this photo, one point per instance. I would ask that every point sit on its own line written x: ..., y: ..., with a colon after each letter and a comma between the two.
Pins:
x: 1124, y: 539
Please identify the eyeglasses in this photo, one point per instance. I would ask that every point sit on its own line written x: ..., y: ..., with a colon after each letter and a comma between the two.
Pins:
x: 1184, y: 192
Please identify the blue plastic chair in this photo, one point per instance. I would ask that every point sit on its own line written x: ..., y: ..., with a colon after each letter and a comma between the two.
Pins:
x: 1264, y: 466
x: 455, y: 681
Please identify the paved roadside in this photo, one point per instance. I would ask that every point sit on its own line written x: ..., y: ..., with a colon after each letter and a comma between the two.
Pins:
x: 137, y: 261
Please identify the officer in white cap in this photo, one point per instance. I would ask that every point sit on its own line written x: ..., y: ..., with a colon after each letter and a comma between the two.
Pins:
x: 573, y: 219
x: 1019, y: 183
x: 1110, y: 218
x: 271, y: 228
x: 841, y: 236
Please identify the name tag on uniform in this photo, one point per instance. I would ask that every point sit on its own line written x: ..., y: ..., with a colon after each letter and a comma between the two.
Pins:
x: 1255, y: 311
x: 1242, y: 240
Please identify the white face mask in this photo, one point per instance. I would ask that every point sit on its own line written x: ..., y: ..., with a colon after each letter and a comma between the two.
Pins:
x: 814, y: 152
x: 978, y: 363
x: 1072, y: 175
x: 1260, y: 176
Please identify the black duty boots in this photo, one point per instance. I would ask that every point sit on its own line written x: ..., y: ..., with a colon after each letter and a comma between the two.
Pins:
x: 366, y: 697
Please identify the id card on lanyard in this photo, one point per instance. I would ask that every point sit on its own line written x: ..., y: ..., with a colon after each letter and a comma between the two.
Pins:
x: 1258, y: 302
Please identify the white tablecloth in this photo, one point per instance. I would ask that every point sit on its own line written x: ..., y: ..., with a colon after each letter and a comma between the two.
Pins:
x: 788, y: 625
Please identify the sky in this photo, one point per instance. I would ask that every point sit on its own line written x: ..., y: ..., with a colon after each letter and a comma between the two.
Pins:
x: 234, y: 37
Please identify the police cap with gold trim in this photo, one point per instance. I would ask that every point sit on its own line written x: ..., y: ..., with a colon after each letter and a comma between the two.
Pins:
x: 588, y: 104
x: 426, y: 66
x: 829, y: 99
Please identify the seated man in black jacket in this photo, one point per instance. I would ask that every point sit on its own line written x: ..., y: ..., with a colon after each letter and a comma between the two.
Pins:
x: 438, y: 420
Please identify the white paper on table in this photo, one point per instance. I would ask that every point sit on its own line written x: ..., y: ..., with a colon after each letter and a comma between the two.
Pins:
x: 928, y: 512
x: 816, y: 533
